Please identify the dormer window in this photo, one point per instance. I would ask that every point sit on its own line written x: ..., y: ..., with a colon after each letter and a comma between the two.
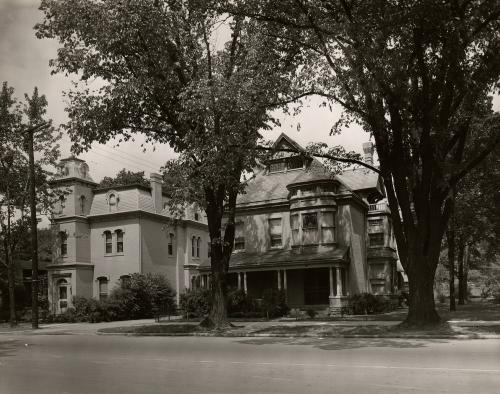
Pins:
x: 294, y: 163
x: 113, y: 200
x: 277, y: 166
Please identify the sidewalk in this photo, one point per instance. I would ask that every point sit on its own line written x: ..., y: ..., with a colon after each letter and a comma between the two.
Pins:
x: 348, y: 328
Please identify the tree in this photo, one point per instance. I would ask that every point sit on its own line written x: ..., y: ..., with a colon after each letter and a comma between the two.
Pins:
x: 164, y: 76
x: 125, y: 177
x: 16, y: 120
x: 417, y: 75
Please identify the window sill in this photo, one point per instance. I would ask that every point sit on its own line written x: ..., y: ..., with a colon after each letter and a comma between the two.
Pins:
x: 114, y: 254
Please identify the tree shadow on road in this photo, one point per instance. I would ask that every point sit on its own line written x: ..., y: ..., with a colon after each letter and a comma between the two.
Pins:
x: 344, y: 343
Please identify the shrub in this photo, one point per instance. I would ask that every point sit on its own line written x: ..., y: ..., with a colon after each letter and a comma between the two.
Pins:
x: 441, y: 298
x: 311, y: 313
x: 240, y: 303
x: 368, y: 303
x: 274, y: 303
x: 195, y: 303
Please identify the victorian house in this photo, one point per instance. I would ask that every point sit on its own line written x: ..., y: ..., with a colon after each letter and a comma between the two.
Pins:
x: 105, y: 234
x: 319, y: 237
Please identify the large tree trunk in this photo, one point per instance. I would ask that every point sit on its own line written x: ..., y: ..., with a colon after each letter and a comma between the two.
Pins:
x: 422, y: 308
x: 451, y: 267
x: 221, y: 249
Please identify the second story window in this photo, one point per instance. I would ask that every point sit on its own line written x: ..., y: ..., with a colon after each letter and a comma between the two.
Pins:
x: 310, y: 228
x: 108, y: 242
x: 119, y: 241
x: 275, y: 232
x: 170, y: 244
x: 376, y: 239
x: 294, y: 224
x: 374, y: 223
x: 63, y: 238
x: 193, y: 246
x: 327, y: 227
x: 198, y: 247
x: 239, y: 237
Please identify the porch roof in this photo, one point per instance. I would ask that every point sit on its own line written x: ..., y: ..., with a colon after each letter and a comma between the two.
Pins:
x: 283, y: 258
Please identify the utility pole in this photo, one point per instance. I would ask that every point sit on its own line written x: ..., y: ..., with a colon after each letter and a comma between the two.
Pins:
x: 34, y: 233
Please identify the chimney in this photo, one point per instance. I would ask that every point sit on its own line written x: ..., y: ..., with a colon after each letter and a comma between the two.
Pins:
x: 156, y: 191
x: 368, y: 151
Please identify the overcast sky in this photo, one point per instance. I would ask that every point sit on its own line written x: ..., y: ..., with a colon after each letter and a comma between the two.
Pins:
x: 24, y: 64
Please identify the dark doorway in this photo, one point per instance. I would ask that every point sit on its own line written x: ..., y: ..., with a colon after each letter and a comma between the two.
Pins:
x: 316, y: 286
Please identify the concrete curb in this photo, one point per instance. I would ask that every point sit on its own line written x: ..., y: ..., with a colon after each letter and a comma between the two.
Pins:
x: 251, y: 335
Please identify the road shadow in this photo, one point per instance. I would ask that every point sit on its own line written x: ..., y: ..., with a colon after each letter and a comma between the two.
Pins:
x: 344, y: 343
x: 9, y: 347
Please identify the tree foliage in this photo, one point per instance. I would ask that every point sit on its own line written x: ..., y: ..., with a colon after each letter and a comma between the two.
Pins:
x: 125, y: 177
x: 165, y: 74
x: 417, y: 75
x: 17, y: 119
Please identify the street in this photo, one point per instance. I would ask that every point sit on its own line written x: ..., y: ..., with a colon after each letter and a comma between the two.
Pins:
x: 118, y: 364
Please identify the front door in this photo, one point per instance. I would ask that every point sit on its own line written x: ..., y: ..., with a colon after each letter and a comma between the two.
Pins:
x: 62, y: 292
x: 316, y: 286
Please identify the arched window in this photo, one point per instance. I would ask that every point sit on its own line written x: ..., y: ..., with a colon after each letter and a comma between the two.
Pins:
x: 63, y: 238
x: 193, y: 246
x: 198, y: 247
x: 119, y: 241
x: 170, y: 244
x: 82, y: 205
x: 103, y: 288
x: 61, y: 203
x: 108, y: 242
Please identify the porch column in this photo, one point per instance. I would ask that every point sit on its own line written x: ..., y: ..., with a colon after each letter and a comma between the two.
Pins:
x: 239, y: 280
x: 245, y: 281
x: 208, y: 281
x: 331, y: 282
x: 339, y: 283
x: 279, y: 279
x: 285, y: 285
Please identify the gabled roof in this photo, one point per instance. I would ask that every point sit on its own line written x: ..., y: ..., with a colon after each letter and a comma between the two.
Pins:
x: 272, y: 187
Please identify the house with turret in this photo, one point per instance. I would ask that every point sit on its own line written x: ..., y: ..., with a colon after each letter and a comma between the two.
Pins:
x: 317, y: 236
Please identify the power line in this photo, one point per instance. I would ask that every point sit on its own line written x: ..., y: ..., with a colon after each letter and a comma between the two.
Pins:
x: 122, y: 156
x: 122, y: 162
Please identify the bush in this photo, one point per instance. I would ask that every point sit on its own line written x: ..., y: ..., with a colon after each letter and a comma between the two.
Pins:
x: 195, y: 303
x: 240, y: 303
x: 274, y: 303
x: 441, y: 298
x: 145, y: 296
x: 368, y: 303
x: 311, y: 313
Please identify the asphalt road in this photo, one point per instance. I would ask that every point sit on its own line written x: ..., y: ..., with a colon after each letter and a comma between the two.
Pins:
x: 115, y: 364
